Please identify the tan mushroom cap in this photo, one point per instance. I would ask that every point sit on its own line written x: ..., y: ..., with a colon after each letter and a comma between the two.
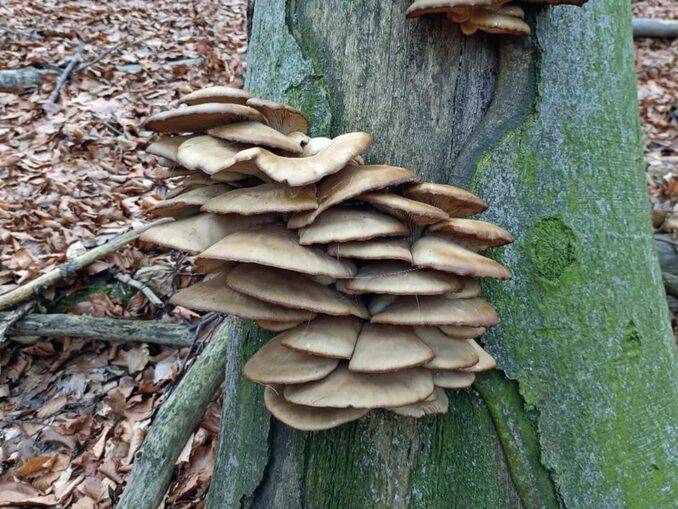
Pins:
x: 386, y: 348
x: 453, y: 200
x: 196, y: 233
x: 475, y: 234
x: 438, y: 310
x: 459, y: 332
x: 453, y: 379
x: 512, y: 10
x: 468, y: 27
x: 439, y: 404
x: 301, y: 171
x: 262, y: 199
x: 471, y: 289
x: 276, y: 246
x: 275, y: 364
x: 292, y: 289
x: 495, y: 23
x: 344, y: 388
x: 277, y: 326
x: 280, y: 116
x: 351, y: 224
x: 400, y: 278
x: 380, y: 302
x: 308, y: 418
x: 217, y: 94
x: 411, y: 211
x: 199, y: 118
x: 256, y: 133
x: 188, y: 203
x: 422, y: 7
x: 485, y: 363
x: 332, y: 336
x: 443, y: 254
x: 213, y: 295
x: 374, y: 249
x: 210, y: 155
x: 167, y: 146
x: 350, y: 182
x: 188, y: 183
x: 449, y: 353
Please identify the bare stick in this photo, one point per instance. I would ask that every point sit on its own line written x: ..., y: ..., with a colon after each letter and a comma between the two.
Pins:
x: 647, y: 27
x: 54, y: 96
x: 72, y: 266
x: 142, y: 287
x: 9, y: 319
x: 100, y: 56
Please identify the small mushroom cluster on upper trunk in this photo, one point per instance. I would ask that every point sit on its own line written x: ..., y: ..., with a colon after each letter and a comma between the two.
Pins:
x: 368, y: 274
x: 491, y: 16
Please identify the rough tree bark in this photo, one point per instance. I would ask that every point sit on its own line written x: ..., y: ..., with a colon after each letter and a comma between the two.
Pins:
x: 583, y: 411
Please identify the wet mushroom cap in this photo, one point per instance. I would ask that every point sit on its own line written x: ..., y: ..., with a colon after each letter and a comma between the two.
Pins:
x: 280, y: 116
x: 471, y: 289
x: 199, y: 118
x: 256, y: 133
x: 217, y: 94
x: 333, y: 336
x: 453, y: 200
x: 453, y: 379
x: 373, y: 249
x: 400, y: 278
x: 437, y: 310
x: 351, y: 224
x: 262, y: 199
x: 449, y: 353
x: 435, y: 406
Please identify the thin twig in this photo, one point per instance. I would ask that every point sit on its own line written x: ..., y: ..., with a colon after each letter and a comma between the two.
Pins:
x: 11, y: 318
x: 142, y: 287
x: 54, y: 96
x: 101, y: 56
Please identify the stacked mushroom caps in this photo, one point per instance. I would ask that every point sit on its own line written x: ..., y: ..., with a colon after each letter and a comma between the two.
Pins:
x: 491, y: 16
x: 368, y: 275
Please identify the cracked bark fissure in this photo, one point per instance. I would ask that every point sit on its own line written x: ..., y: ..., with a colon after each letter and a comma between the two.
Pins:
x: 584, y: 409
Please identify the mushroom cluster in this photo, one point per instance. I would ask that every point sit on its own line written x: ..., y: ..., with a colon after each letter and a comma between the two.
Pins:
x: 367, y: 274
x: 491, y: 16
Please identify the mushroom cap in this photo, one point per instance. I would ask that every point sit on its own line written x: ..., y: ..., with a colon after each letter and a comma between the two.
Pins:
x: 475, y: 234
x: 350, y: 182
x: 213, y: 295
x: 437, y: 310
x: 199, y: 118
x: 407, y: 210
x: 449, y: 353
x: 380, y: 302
x: 438, y: 405
x: 468, y: 27
x: 188, y: 183
x: 341, y: 224
x: 316, y: 144
x: 277, y: 326
x: 308, y: 418
x: 188, y: 203
x: 443, y: 254
x: 453, y: 200
x: 471, y: 289
x: 453, y: 379
x: 344, y: 388
x: 275, y: 364
x: 280, y: 116
x: 399, y: 278
x: 217, y: 94
x: 276, y: 246
x: 373, y: 249
x: 512, y: 10
x: 210, y: 155
x: 301, y: 171
x: 485, y: 363
x: 256, y: 133
x: 332, y: 336
x: 459, y: 332
x: 262, y: 199
x: 292, y: 289
x: 495, y: 23
x: 167, y: 146
x: 422, y: 7
x: 386, y: 348
x: 196, y: 233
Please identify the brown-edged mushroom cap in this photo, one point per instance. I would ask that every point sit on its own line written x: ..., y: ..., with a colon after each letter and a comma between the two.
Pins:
x: 468, y: 27
x: 301, y: 171
x: 167, y: 146
x: 350, y: 224
x: 308, y: 418
x: 407, y: 210
x: 277, y: 326
x: 276, y: 246
x: 471, y: 289
x: 433, y: 406
x: 293, y: 290
x: 449, y: 353
x: 475, y: 234
x: 213, y: 295
x: 453, y: 200
x: 344, y: 389
x: 196, y: 233
x: 350, y: 182
x: 399, y: 278
x: 256, y: 133
x: 437, y: 310
x: 262, y: 199
x: 328, y: 336
x: 188, y: 203
x: 459, y: 332
x: 282, y: 117
x: 199, y: 118
x: 485, y: 363
x: 373, y: 249
x: 443, y: 254
x: 217, y: 94
x: 275, y: 364
x: 453, y: 379
x: 422, y: 7
x: 386, y: 348
x: 211, y: 155
x: 495, y: 23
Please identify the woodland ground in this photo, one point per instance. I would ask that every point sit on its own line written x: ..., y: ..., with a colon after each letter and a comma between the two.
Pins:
x: 73, y: 412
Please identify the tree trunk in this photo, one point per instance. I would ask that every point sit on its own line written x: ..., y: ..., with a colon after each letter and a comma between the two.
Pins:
x: 583, y: 410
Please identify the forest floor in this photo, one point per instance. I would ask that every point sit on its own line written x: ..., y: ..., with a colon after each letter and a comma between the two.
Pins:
x: 72, y: 175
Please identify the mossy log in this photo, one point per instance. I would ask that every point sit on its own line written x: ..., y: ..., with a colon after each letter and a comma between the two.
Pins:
x: 583, y: 410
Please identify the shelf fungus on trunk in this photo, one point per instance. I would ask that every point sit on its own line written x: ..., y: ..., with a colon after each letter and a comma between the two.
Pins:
x: 367, y: 275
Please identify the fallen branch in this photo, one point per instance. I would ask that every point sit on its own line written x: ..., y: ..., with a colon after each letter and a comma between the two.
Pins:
x: 54, y: 96
x: 102, y: 329
x: 176, y: 420
x: 670, y: 283
x: 7, y: 320
x: 69, y: 268
x: 100, y: 56
x: 142, y: 287
x: 648, y: 27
